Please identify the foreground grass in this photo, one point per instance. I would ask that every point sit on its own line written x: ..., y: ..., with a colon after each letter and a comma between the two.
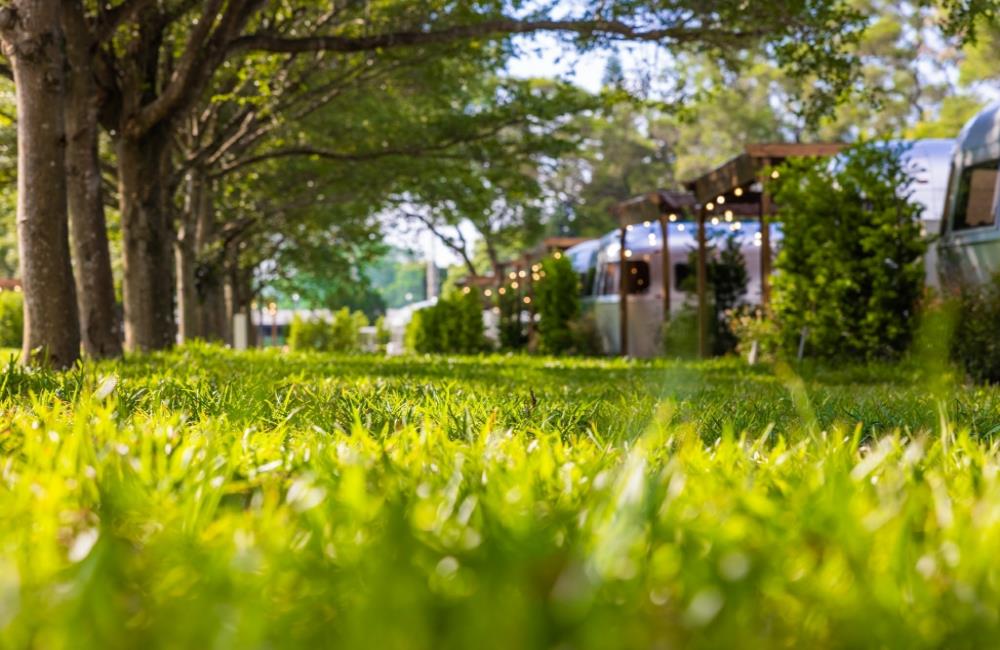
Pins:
x: 209, y: 499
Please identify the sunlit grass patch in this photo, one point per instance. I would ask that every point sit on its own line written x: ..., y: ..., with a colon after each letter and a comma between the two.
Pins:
x: 258, y: 500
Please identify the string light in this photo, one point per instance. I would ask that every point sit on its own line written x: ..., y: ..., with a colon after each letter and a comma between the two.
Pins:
x: 775, y: 174
x: 527, y: 300
x: 645, y: 224
x: 502, y: 290
x: 715, y: 221
x: 514, y: 285
x: 522, y: 273
x: 709, y: 206
x: 466, y: 289
x: 680, y: 227
x: 738, y: 191
x: 558, y: 255
x: 673, y: 217
x: 488, y: 293
x: 628, y: 253
x: 729, y: 215
x: 720, y: 200
x: 512, y: 275
x: 536, y: 277
x: 628, y: 228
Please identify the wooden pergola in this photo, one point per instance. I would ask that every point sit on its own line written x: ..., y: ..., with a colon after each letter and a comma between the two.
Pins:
x: 737, y: 190
x: 666, y: 206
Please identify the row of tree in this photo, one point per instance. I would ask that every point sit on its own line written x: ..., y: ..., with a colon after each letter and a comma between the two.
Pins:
x: 225, y: 138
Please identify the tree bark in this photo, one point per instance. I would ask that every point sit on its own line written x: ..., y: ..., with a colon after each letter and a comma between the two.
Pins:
x: 147, y: 242
x: 210, y: 266
x: 33, y: 42
x: 100, y: 329
x: 185, y: 250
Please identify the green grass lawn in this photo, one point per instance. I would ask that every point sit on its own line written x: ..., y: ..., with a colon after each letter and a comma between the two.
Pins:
x: 210, y: 499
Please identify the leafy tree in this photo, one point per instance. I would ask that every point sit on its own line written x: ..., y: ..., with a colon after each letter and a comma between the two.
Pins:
x: 850, y: 270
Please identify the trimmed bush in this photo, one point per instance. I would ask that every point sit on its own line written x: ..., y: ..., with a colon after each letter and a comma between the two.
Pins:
x: 974, y: 342
x: 557, y: 301
x: 11, y: 319
x: 850, y: 270
x: 341, y: 334
x: 452, y: 326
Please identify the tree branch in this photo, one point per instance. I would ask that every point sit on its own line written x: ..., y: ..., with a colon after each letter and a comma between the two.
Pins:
x: 610, y: 28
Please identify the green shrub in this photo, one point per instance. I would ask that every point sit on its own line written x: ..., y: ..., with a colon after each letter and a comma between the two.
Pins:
x: 345, y: 330
x: 11, y: 319
x: 749, y: 325
x: 557, y: 301
x: 452, y: 326
x: 850, y: 270
x: 974, y: 342
x: 513, y: 334
x: 727, y: 277
x: 341, y: 334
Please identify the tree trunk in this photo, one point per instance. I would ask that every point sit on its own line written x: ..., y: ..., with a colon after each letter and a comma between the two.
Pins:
x: 211, y: 267
x: 147, y: 242
x: 100, y: 330
x: 189, y: 320
x: 33, y: 42
x: 186, y: 253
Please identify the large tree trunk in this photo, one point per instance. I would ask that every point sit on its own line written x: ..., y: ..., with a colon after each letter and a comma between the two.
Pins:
x: 95, y: 291
x: 147, y: 242
x: 33, y: 43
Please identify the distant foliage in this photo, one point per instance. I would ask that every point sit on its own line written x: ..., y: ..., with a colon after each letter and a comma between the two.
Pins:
x: 850, y: 270
x: 341, y: 334
x: 974, y: 343
x: 452, y: 326
x: 512, y: 330
x: 557, y: 301
x: 11, y: 319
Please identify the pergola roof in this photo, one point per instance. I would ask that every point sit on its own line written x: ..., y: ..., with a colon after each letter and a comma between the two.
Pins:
x: 662, y: 201
x: 743, y: 172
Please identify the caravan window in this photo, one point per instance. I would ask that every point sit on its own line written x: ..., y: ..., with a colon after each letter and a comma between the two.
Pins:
x: 638, y: 278
x: 975, y: 200
x: 682, y: 272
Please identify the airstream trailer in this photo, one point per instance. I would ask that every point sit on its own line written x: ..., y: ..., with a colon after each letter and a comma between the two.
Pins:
x: 969, y: 250
x: 598, y: 262
x: 929, y: 162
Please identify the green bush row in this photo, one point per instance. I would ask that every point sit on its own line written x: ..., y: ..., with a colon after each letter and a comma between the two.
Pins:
x: 340, y: 334
x: 452, y: 326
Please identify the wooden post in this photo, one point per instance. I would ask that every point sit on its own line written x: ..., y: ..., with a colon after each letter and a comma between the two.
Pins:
x: 702, y: 286
x: 665, y: 254
x: 765, y: 243
x: 622, y: 293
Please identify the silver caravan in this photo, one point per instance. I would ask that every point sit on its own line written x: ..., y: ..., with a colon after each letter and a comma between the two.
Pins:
x: 597, y: 262
x: 969, y: 250
x: 929, y: 162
